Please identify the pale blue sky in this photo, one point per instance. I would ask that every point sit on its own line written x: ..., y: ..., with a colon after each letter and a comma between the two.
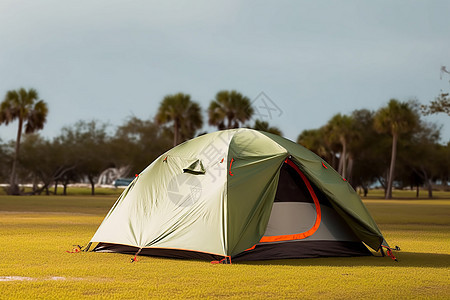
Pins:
x: 108, y: 60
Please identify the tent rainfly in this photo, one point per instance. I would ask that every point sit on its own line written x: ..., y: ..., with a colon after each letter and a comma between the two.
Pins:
x: 239, y: 195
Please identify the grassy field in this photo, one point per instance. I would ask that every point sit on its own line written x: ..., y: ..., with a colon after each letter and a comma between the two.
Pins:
x: 72, y: 191
x: 36, y: 231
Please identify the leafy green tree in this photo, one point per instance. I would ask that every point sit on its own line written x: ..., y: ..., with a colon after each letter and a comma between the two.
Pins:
x: 368, y: 152
x: 229, y: 109
x: 5, y: 161
x: 264, y: 126
x: 314, y: 140
x: 444, y: 168
x: 38, y: 161
x: 47, y: 162
x: 396, y: 119
x: 137, y: 143
x: 423, y: 144
x: 183, y: 113
x: 89, y: 144
x: 30, y: 112
x: 439, y: 105
x: 65, y: 162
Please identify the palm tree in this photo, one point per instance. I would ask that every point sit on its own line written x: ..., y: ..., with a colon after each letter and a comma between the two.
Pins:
x: 341, y: 129
x: 184, y: 114
x: 31, y: 112
x: 229, y: 107
x: 314, y: 140
x: 264, y: 126
x: 396, y: 118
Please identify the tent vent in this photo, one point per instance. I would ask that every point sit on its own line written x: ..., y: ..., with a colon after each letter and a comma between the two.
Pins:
x: 195, y: 168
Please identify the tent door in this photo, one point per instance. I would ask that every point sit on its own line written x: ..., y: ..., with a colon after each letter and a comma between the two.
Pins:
x: 296, y: 212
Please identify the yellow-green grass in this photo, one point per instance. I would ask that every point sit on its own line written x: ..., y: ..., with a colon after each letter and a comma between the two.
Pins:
x: 35, y: 232
x: 73, y: 190
x: 406, y: 194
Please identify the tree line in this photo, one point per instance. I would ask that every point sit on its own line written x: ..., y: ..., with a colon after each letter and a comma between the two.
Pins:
x: 81, y: 152
x: 392, y: 146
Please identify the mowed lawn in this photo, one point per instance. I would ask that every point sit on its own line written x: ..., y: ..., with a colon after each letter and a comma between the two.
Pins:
x: 36, y: 231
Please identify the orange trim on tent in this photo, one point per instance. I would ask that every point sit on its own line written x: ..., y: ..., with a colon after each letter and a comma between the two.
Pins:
x: 302, y: 235
x: 231, y: 162
x: 251, y: 248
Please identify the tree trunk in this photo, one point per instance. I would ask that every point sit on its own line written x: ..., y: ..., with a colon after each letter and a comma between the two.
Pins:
x: 35, y: 187
x: 429, y: 185
x: 91, y: 180
x: 350, y: 169
x: 382, y: 181
x: 444, y: 183
x: 417, y: 191
x: 176, y: 129
x: 65, y: 183
x: 56, y: 187
x: 341, y: 161
x: 344, y: 158
x: 428, y: 182
x: 13, y: 187
x: 230, y: 122
x: 333, y: 160
x: 392, y: 167
x: 366, y: 191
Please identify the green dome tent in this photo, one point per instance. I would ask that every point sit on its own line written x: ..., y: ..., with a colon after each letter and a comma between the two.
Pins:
x: 239, y: 194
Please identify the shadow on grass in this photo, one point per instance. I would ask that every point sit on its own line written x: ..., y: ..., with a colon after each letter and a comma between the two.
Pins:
x: 405, y: 259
